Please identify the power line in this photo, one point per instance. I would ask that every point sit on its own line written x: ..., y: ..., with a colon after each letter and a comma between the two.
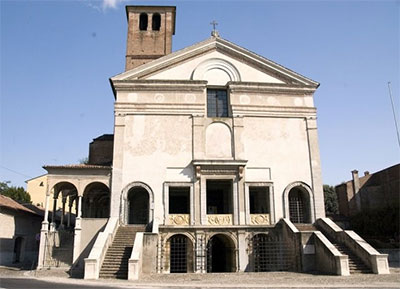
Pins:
x: 15, y: 172
x: 394, y: 113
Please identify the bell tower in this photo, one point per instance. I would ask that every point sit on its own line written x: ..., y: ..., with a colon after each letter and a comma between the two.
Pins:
x: 150, y: 30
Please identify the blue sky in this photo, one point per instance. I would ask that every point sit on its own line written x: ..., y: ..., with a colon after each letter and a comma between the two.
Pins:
x: 57, y: 56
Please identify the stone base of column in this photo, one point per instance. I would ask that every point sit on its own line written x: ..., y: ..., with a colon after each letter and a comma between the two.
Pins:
x: 52, y: 227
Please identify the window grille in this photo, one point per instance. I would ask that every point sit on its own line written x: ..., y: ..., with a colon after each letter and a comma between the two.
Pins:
x: 296, y: 208
x: 272, y: 254
x: 178, y: 254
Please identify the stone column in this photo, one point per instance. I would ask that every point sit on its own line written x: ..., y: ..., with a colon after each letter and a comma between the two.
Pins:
x: 64, y: 200
x: 315, y: 165
x: 69, y: 211
x: 53, y: 215
x: 43, y: 233
x: 77, y: 235
x: 90, y: 215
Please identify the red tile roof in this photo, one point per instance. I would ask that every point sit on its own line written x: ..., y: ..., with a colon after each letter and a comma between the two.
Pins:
x: 11, y: 204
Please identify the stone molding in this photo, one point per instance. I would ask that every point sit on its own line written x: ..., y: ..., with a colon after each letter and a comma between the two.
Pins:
x: 219, y: 220
x: 260, y: 219
x: 178, y: 219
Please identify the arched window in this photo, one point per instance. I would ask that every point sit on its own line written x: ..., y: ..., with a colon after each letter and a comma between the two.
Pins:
x: 156, y: 22
x: 143, y: 21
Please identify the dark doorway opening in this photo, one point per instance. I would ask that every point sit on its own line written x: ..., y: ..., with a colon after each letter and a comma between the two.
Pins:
x: 138, y: 206
x: 220, y: 254
x: 18, y: 249
x: 219, y: 197
x: 299, y: 206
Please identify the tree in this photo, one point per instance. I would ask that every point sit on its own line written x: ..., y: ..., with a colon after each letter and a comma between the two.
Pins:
x: 84, y: 161
x: 16, y: 193
x: 331, y: 202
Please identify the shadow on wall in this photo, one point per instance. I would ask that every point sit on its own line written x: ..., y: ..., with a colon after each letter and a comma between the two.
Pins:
x: 77, y: 269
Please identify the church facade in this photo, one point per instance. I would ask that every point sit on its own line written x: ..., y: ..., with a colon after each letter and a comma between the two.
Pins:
x: 214, y: 166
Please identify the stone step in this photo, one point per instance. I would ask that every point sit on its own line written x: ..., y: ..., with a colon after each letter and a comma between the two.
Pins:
x: 356, y: 265
x: 116, y: 261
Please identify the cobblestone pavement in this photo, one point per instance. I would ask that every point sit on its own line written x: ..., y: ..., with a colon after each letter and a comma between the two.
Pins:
x: 226, y: 280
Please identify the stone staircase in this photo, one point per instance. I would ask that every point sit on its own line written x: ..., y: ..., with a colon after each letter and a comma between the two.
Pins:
x: 356, y: 265
x: 115, y: 263
x: 305, y: 227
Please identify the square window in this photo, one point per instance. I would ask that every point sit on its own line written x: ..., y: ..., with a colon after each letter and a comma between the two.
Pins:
x: 259, y: 200
x: 179, y: 200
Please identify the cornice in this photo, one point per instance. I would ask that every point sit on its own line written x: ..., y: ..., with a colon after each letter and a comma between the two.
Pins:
x: 159, y: 85
x: 277, y: 88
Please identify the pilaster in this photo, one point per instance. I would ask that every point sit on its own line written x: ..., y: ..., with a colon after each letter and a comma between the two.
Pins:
x: 315, y: 166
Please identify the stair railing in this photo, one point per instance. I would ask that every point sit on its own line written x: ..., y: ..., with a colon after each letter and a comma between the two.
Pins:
x: 376, y: 261
x: 328, y: 258
x: 135, y: 261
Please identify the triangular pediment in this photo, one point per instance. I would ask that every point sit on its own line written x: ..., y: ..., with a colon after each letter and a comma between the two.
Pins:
x: 217, y: 61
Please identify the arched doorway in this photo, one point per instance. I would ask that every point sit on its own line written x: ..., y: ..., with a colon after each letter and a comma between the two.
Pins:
x: 138, y: 206
x: 96, y: 201
x: 221, y: 254
x: 180, y: 254
x: 299, y: 205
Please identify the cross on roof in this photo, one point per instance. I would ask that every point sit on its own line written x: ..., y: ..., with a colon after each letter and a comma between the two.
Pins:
x: 214, y: 32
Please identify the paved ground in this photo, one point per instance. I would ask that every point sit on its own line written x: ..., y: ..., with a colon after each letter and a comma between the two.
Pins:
x: 13, y: 278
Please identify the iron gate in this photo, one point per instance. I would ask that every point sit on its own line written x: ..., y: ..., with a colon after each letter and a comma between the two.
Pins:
x: 296, y: 208
x: 272, y: 254
x: 178, y: 254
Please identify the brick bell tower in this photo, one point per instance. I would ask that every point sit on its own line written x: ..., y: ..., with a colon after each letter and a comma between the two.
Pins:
x: 150, y: 30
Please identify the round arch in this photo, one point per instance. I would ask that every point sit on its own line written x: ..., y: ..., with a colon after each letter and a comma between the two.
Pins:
x: 179, y: 252
x: 96, y: 200
x: 65, y: 187
x: 124, y: 209
x: 221, y: 253
x: 226, y: 71
x: 305, y: 189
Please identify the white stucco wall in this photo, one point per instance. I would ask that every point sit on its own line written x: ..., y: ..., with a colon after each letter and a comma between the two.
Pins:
x: 162, y: 125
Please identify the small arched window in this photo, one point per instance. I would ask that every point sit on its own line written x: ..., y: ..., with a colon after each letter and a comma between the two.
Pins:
x: 143, y: 21
x: 156, y: 23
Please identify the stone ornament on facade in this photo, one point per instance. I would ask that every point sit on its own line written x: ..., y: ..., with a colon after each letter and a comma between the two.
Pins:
x: 179, y: 219
x: 218, y: 220
x: 259, y: 219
